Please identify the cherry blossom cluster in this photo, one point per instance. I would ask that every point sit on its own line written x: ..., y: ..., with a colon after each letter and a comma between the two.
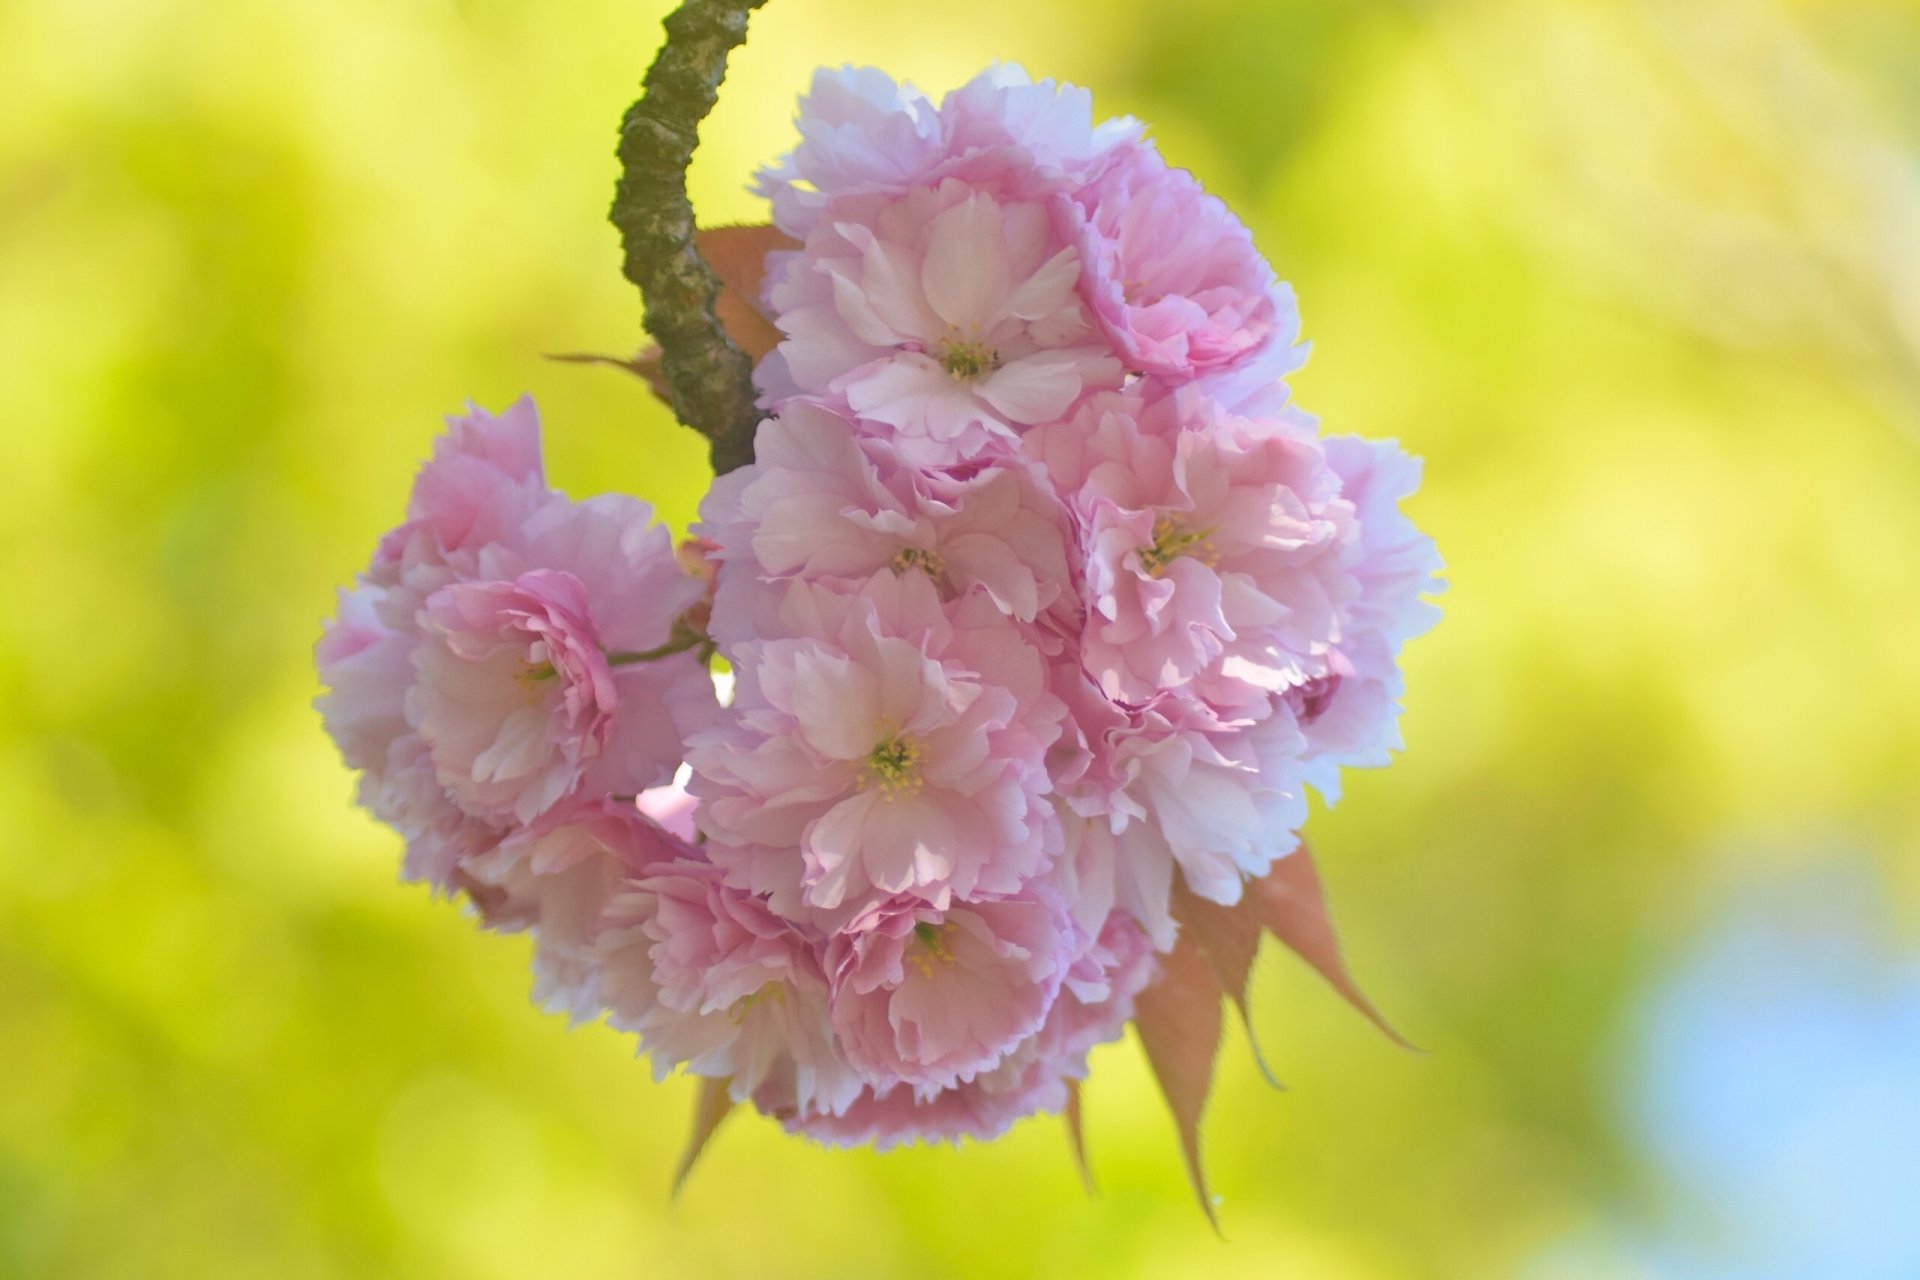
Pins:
x: 1041, y: 604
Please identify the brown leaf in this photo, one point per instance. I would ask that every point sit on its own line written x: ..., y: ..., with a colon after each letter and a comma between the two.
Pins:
x: 709, y: 1109
x: 645, y: 365
x: 1230, y: 937
x: 1077, y: 1138
x: 738, y: 255
x: 1293, y: 907
x: 1178, y: 1019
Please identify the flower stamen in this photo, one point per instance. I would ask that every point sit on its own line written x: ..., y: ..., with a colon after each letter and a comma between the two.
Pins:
x: 925, y: 560
x: 1173, y: 539
x: 967, y: 361
x: 933, y: 946
x: 893, y: 766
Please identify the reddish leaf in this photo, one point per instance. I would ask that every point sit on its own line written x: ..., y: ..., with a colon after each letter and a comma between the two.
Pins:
x: 709, y: 1109
x: 1077, y: 1138
x: 1291, y: 904
x: 1178, y: 1019
x: 738, y: 255
x: 1230, y: 937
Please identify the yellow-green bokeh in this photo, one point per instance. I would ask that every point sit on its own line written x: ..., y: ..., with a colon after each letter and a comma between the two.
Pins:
x: 1641, y: 281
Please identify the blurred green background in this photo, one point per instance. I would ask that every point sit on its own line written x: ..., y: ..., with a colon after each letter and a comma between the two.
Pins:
x: 1640, y: 280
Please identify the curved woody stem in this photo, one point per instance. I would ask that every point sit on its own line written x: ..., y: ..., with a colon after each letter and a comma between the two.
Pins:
x: 710, y: 378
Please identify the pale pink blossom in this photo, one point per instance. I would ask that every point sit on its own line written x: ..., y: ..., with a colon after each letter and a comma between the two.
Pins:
x: 1395, y: 564
x: 881, y: 744
x: 710, y: 979
x: 1129, y: 871
x: 365, y: 657
x: 863, y: 134
x: 555, y: 877
x: 859, y: 132
x: 1025, y: 139
x: 1350, y: 717
x: 1093, y: 1006
x: 823, y: 503
x: 1224, y: 804
x: 930, y: 998
x: 514, y: 694
x: 946, y: 317
x: 1145, y: 790
x: 483, y: 483
x: 475, y: 671
x: 404, y: 791
x: 1255, y: 389
x: 1172, y: 276
x: 1213, y: 549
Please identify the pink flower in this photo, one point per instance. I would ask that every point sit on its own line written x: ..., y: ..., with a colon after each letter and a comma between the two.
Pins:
x: 1172, y: 276
x: 1129, y: 871
x: 555, y: 877
x: 403, y: 790
x: 1394, y: 563
x: 709, y: 978
x: 1255, y: 388
x: 930, y: 998
x: 1025, y: 139
x: 861, y: 134
x: 483, y: 483
x: 475, y: 671
x: 1093, y: 1006
x: 367, y: 662
x: 947, y: 316
x: 1224, y: 804
x: 882, y: 746
x: 1213, y: 549
x: 1143, y: 790
x: 515, y: 695
x: 823, y: 503
x: 1350, y: 717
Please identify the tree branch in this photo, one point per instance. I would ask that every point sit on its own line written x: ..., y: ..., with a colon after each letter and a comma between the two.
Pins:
x: 710, y: 379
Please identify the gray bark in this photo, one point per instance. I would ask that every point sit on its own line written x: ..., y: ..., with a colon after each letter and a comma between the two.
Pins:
x: 710, y: 379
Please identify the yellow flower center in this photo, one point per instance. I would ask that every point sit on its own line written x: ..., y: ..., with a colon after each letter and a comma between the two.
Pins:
x: 893, y: 766
x: 966, y: 361
x: 927, y: 562
x: 932, y: 947
x: 1173, y: 539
